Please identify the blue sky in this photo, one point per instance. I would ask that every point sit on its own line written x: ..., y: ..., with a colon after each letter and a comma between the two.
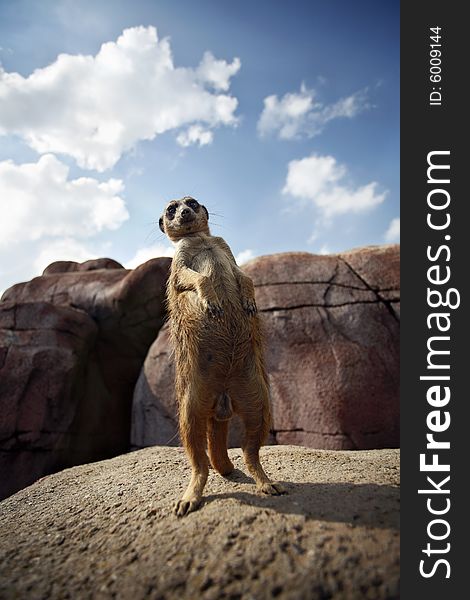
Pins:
x: 281, y: 117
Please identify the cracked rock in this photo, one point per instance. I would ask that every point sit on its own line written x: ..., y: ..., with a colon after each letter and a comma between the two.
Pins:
x: 72, y: 343
x: 42, y: 375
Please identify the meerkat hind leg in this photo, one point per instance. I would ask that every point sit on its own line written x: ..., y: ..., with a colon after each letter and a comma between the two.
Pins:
x: 251, y: 455
x: 253, y: 408
x: 217, y: 445
x: 193, y: 435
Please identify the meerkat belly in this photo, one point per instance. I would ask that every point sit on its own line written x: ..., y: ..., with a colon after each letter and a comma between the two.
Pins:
x: 215, y: 265
x: 219, y: 340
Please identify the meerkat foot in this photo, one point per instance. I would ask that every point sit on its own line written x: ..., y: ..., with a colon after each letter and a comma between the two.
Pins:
x: 249, y: 306
x: 225, y: 469
x: 186, y: 505
x: 271, y: 489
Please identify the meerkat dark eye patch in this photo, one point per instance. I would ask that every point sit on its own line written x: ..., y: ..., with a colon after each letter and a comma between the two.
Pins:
x: 170, y: 211
x: 192, y: 203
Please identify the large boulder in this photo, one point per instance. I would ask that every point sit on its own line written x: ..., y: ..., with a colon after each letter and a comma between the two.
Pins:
x: 332, y: 334
x: 69, y: 266
x: 124, y: 310
x: 332, y: 352
x: 49, y: 391
x: 107, y: 530
x: 128, y: 305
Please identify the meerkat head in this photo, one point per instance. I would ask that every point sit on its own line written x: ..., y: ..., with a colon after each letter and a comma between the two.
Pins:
x: 184, y: 217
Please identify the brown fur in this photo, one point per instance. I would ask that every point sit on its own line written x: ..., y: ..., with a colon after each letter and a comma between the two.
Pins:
x: 218, y: 351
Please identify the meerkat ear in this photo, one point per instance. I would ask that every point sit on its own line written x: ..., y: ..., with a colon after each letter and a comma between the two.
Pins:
x: 205, y: 210
x: 160, y: 224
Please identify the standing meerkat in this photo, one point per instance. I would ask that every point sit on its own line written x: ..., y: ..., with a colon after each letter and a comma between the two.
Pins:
x: 215, y: 332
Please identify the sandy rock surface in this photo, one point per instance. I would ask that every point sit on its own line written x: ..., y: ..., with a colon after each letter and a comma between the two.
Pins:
x: 106, y: 530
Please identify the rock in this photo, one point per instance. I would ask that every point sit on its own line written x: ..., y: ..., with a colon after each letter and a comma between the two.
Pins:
x: 125, y: 309
x: 44, y: 370
x: 154, y: 419
x: 107, y: 530
x: 333, y: 346
x: 67, y: 266
x: 332, y: 352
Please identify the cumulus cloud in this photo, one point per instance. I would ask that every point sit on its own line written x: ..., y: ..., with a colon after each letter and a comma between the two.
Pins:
x: 393, y: 232
x: 195, y: 135
x: 43, y: 201
x: 300, y: 114
x: 244, y: 256
x: 146, y: 253
x: 323, y: 181
x: 95, y: 108
x: 217, y: 72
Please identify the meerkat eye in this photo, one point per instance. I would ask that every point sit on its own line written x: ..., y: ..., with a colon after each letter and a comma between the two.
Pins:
x: 194, y: 204
x: 170, y: 211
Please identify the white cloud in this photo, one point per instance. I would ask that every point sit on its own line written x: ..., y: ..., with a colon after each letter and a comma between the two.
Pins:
x: 300, y: 114
x: 40, y: 200
x: 95, y: 108
x: 195, y: 134
x: 393, y: 232
x: 217, y: 72
x: 144, y: 254
x: 323, y: 181
x: 324, y: 250
x: 62, y: 249
x: 244, y: 256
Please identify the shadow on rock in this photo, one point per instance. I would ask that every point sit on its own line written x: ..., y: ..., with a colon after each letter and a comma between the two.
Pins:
x: 358, y: 504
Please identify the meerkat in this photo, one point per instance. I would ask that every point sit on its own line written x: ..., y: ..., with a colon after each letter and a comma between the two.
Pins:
x: 215, y: 333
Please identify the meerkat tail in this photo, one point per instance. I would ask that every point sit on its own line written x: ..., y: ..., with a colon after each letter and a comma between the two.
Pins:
x: 223, y: 408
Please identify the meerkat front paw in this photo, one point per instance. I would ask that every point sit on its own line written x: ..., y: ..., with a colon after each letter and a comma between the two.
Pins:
x: 209, y: 300
x: 249, y: 306
x: 214, y: 309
